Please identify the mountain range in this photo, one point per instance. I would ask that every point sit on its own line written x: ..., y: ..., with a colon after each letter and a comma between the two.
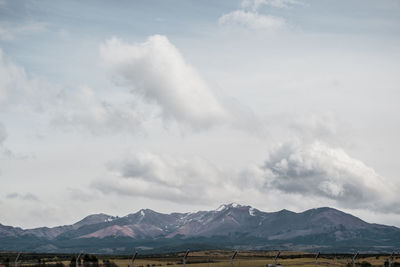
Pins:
x: 230, y: 226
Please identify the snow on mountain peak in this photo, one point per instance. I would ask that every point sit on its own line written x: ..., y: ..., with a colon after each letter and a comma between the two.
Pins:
x: 252, y: 211
x: 221, y: 208
x: 227, y: 206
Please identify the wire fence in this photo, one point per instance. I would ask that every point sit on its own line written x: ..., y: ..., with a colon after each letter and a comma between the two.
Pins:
x: 307, y: 260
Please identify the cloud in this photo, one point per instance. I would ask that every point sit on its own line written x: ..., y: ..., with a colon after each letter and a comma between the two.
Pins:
x: 81, y: 108
x: 22, y: 196
x: 163, y: 177
x: 309, y: 127
x: 315, y: 126
x: 256, y: 4
x: 251, y: 20
x: 79, y: 195
x: 314, y: 173
x: 248, y: 16
x: 19, y: 90
x: 12, y: 32
x: 3, y: 134
x: 84, y: 109
x: 156, y: 71
x: 12, y: 79
x: 4, y: 151
x: 27, y: 210
x: 318, y: 170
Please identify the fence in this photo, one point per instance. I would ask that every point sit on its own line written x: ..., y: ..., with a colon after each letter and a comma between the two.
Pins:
x: 200, y: 259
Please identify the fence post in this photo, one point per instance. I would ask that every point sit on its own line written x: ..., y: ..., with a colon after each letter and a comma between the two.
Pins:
x: 16, y: 259
x: 77, y: 260
x: 354, y: 259
x: 390, y: 259
x: 276, y: 258
x: 133, y: 258
x: 184, y: 257
x: 233, y: 256
x: 316, y: 259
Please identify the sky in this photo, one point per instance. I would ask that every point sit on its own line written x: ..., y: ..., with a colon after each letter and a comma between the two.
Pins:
x: 111, y: 107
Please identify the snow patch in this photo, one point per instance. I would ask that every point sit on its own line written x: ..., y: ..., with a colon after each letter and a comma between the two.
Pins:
x: 252, y: 212
x: 231, y: 205
x: 221, y: 208
x: 110, y: 219
x: 142, y: 213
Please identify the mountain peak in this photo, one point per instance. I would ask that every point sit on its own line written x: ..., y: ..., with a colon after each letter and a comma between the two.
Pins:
x: 285, y: 211
x: 94, y: 219
x: 228, y: 206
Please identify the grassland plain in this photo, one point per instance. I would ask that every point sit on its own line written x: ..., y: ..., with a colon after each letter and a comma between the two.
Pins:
x: 213, y: 258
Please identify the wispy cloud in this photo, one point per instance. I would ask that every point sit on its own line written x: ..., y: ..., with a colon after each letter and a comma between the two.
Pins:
x: 3, y: 134
x: 249, y: 15
x: 18, y: 89
x: 12, y: 32
x: 83, y: 109
x: 79, y: 108
x: 4, y: 151
x: 251, y: 20
x: 256, y: 4
x: 163, y: 177
x: 22, y: 196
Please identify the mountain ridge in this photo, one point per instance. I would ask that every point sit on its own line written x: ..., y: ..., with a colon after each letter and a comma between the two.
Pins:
x: 230, y: 225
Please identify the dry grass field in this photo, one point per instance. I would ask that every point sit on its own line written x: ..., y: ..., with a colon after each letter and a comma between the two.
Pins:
x: 219, y: 258
x: 248, y: 259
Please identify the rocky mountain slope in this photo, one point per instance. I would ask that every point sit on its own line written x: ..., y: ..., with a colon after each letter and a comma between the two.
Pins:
x: 228, y: 226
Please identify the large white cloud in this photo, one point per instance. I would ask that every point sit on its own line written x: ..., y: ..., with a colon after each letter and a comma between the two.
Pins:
x: 318, y: 170
x: 157, y: 71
